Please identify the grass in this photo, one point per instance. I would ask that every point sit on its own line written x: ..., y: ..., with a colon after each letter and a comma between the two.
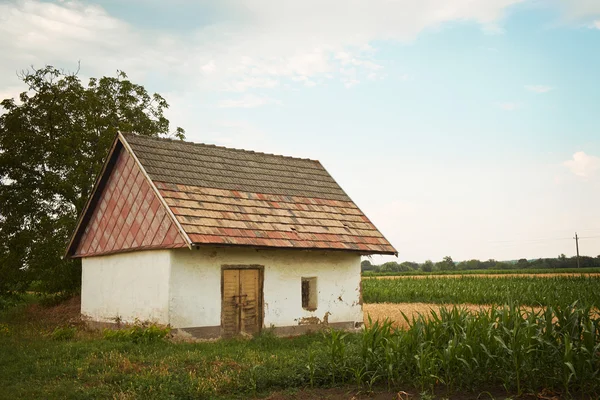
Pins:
x: 36, y: 362
x: 491, y: 272
x: 556, y: 350
x: 532, y: 291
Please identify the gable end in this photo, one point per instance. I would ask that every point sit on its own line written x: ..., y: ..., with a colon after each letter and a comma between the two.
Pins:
x: 124, y: 212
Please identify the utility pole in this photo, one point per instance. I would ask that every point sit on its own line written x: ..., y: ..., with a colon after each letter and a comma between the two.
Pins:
x: 577, y: 246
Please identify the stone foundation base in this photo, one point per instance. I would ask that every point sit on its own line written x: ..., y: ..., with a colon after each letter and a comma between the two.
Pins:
x: 214, y: 332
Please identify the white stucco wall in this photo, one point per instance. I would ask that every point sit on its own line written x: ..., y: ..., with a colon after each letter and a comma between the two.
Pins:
x: 195, y: 285
x: 127, y: 285
x: 195, y: 290
x: 182, y: 287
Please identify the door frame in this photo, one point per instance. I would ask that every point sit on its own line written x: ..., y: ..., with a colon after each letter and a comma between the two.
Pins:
x: 261, y: 281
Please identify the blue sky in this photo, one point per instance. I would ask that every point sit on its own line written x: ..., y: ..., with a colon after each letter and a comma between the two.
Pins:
x: 465, y: 128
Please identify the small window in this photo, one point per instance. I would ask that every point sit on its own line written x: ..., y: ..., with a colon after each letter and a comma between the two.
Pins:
x: 309, y: 293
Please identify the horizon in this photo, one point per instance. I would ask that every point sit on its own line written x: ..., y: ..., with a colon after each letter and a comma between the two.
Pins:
x: 467, y: 130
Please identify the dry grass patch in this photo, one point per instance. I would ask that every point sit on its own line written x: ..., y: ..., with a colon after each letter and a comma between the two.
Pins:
x: 394, y: 311
x: 66, y: 312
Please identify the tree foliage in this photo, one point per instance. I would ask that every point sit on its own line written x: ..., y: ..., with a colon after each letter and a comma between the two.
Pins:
x: 53, y: 141
x: 365, y: 265
x: 447, y: 264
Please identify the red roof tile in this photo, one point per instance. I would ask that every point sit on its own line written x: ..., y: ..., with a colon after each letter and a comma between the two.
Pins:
x: 214, y: 195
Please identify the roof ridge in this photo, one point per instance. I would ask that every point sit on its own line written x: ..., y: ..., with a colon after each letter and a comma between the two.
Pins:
x: 185, y: 142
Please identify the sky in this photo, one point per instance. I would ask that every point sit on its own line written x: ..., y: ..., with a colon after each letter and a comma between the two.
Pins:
x: 464, y: 128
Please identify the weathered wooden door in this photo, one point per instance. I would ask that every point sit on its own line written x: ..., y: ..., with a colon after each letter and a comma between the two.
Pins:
x: 241, y: 304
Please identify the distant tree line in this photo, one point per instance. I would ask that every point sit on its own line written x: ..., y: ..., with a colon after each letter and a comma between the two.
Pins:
x: 447, y: 264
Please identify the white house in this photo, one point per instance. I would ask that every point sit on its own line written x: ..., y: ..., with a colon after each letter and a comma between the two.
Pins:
x: 218, y: 241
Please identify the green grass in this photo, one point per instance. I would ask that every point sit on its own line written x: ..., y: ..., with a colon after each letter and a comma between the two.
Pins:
x: 522, y: 351
x: 33, y: 365
x: 531, y: 291
x: 491, y: 271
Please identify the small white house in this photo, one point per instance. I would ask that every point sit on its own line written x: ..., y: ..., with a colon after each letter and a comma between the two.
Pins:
x: 219, y: 242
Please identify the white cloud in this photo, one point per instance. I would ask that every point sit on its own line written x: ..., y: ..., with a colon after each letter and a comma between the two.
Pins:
x: 583, y: 165
x: 307, y: 82
x: 257, y: 44
x: 350, y: 82
x: 509, y: 106
x: 247, y: 101
x: 580, y: 9
x: 579, y: 12
x: 539, y: 88
x: 244, y: 84
x: 209, y: 67
x: 11, y: 92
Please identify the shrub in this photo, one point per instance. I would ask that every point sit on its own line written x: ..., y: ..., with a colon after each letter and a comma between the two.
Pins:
x: 63, y: 333
x: 54, y: 299
x: 9, y: 301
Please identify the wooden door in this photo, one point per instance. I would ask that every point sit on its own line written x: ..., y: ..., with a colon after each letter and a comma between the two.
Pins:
x: 241, y: 304
x: 230, y: 317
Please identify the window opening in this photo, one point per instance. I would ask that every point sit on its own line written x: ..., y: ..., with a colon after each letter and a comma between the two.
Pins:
x: 309, y: 293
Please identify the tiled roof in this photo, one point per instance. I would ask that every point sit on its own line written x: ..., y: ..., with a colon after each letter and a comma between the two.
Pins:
x: 204, y: 165
x: 237, y: 197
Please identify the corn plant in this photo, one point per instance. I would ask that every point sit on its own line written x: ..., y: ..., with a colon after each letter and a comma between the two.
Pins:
x: 531, y: 291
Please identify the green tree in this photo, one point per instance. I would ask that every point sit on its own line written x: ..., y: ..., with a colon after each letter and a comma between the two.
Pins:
x: 53, y: 141
x: 365, y: 265
x: 390, y: 266
x: 427, y: 266
x: 471, y: 264
x: 409, y: 265
x: 447, y: 264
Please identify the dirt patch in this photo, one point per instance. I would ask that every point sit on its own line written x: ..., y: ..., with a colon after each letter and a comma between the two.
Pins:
x: 593, y: 274
x: 67, y: 312
x: 394, y: 311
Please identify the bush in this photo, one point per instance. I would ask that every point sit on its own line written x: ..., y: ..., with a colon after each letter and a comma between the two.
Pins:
x: 9, y: 301
x: 54, y: 299
x: 63, y: 333
x: 138, y: 333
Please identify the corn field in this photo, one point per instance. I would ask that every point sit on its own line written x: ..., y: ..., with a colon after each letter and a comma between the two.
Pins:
x: 557, y: 350
x: 531, y: 291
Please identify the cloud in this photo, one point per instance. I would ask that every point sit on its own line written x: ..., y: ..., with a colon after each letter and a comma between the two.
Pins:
x: 244, y: 84
x: 539, y: 88
x: 208, y: 67
x: 307, y: 82
x: 11, y: 92
x: 509, y: 106
x: 350, y: 82
x: 255, y: 44
x: 579, y: 12
x: 248, y: 101
x: 583, y: 165
x: 580, y: 9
